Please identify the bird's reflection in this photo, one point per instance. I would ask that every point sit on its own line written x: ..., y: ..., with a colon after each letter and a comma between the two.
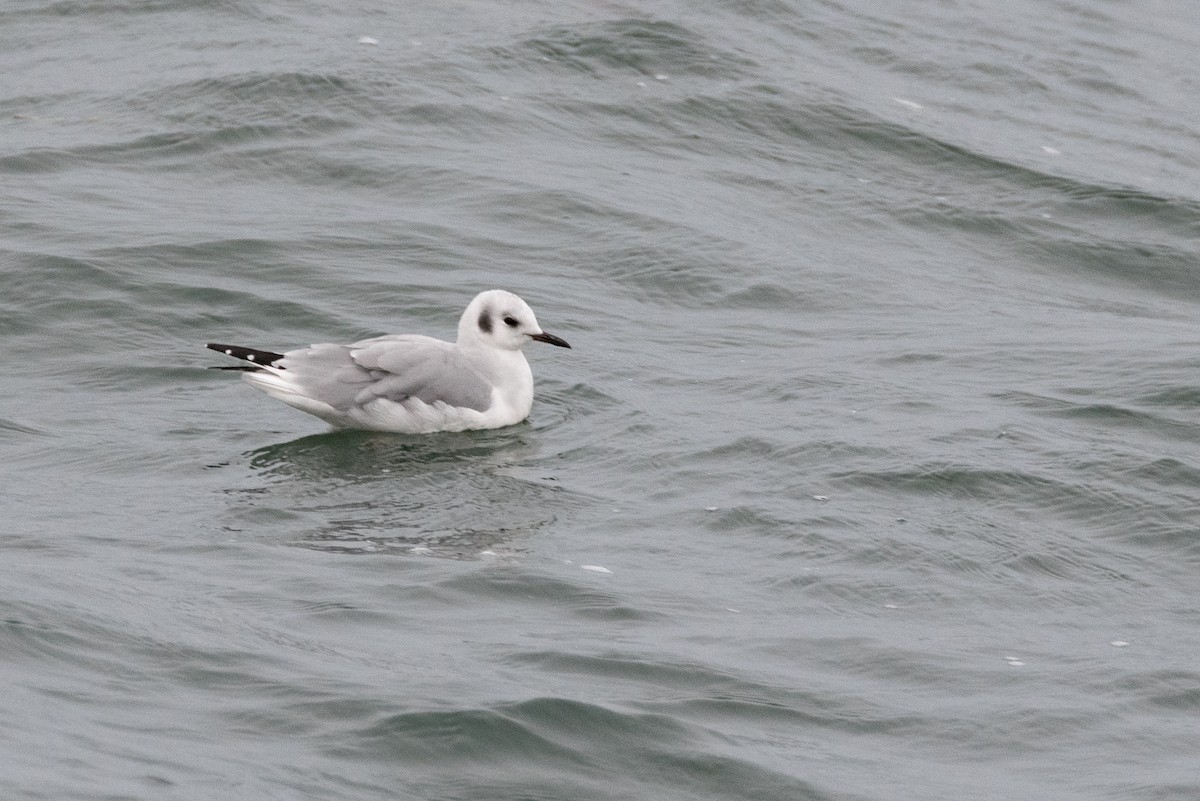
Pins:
x: 456, y: 495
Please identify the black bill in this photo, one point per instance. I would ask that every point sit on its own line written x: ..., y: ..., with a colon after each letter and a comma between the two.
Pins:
x: 550, y: 339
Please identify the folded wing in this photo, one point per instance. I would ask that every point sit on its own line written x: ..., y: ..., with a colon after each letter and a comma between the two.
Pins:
x: 411, y: 366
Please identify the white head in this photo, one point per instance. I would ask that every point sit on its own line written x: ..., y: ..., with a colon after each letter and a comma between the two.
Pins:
x: 500, y: 319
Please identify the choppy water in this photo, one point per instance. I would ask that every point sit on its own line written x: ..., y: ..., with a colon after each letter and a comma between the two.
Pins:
x: 873, y: 473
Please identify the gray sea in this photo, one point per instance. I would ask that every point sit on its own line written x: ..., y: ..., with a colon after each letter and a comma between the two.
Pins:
x: 873, y: 473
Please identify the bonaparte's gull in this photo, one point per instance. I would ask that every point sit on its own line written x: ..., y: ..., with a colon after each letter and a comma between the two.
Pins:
x: 410, y: 383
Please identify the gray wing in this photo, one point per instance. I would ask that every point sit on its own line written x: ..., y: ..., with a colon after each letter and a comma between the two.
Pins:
x: 411, y: 366
x: 324, y: 373
x: 392, y: 367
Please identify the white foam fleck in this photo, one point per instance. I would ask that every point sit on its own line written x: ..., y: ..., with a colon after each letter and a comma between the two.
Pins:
x: 595, y: 568
x: 908, y: 103
x: 1052, y: 151
x: 1118, y: 643
x: 368, y: 40
x: 820, y: 497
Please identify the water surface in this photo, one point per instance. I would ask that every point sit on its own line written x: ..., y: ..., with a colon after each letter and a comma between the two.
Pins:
x: 871, y: 474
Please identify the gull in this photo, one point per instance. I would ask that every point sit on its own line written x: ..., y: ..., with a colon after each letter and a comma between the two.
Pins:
x: 409, y: 383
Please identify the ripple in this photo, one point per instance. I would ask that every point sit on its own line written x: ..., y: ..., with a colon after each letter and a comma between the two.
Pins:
x: 643, y: 47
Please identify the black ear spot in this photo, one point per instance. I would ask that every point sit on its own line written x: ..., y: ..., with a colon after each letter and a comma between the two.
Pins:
x: 485, y: 322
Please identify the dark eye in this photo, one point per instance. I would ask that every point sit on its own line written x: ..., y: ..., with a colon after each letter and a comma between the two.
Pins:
x: 511, y: 322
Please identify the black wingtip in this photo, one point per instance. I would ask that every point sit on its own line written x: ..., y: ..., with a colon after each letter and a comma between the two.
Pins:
x: 246, y: 354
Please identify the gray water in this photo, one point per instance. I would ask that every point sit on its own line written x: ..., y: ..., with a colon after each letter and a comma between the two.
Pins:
x: 873, y: 474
